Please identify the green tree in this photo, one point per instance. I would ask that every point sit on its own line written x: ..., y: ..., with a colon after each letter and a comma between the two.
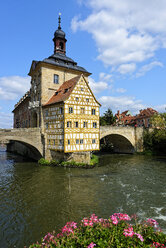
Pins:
x: 108, y: 118
x: 155, y: 140
x: 158, y: 121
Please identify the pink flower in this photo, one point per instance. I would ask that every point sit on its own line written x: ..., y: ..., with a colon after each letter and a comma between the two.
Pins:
x: 91, y: 245
x: 158, y: 245
x: 121, y: 216
x: 114, y: 220
x: 94, y: 218
x: 68, y: 228
x: 152, y: 222
x: 139, y: 236
x: 129, y: 232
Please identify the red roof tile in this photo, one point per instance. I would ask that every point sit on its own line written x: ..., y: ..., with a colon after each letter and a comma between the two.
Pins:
x: 146, y: 113
x: 64, y: 91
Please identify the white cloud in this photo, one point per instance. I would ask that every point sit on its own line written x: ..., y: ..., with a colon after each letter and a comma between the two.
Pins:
x: 13, y: 87
x: 120, y: 90
x: 121, y: 103
x: 106, y: 77
x: 6, y: 120
x: 160, y: 108
x: 126, y: 32
x: 126, y: 68
x: 97, y: 87
x: 148, y: 67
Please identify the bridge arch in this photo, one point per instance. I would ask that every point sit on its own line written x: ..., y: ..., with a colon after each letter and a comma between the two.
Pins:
x: 119, y: 139
x: 117, y: 143
x: 20, y: 143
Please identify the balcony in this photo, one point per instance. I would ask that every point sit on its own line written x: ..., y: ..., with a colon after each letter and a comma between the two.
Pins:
x: 33, y: 105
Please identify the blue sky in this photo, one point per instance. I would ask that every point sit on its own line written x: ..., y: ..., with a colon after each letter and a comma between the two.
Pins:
x: 121, y: 42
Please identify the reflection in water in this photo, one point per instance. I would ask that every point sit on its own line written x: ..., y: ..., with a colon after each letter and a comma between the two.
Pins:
x: 36, y: 199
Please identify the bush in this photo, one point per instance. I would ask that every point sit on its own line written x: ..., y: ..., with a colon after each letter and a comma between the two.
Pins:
x: 155, y: 141
x: 94, y: 160
x: 43, y: 161
x: 73, y: 163
x: 119, y: 230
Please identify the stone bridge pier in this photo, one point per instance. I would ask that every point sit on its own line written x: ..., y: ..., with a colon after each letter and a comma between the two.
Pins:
x: 124, y: 139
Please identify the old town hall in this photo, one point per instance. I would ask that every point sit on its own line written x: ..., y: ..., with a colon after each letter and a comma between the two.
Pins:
x: 62, y: 104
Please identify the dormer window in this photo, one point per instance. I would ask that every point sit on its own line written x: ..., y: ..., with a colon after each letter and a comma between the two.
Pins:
x: 66, y: 90
x: 56, y: 79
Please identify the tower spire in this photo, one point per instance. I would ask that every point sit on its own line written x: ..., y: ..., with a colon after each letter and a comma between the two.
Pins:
x: 59, y: 21
x: 59, y: 39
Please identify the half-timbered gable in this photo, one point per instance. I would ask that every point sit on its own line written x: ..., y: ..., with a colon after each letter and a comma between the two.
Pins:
x: 81, y: 119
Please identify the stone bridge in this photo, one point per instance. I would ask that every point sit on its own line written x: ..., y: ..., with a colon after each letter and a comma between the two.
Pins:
x: 124, y: 139
x: 28, y: 141
x: 31, y: 142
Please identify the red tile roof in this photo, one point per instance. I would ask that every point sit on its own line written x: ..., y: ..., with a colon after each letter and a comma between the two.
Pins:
x: 64, y: 91
x: 146, y: 113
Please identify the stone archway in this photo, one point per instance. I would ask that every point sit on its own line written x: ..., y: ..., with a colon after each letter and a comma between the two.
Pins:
x: 116, y: 143
x: 24, y: 149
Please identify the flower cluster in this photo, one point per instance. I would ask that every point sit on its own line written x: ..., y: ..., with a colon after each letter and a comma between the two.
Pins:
x: 91, y: 245
x: 118, y: 217
x: 158, y: 245
x: 93, y: 220
x: 116, y: 231
x: 69, y: 227
x: 152, y: 222
x: 130, y: 232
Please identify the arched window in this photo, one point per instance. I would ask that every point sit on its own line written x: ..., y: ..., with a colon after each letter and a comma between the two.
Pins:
x: 61, y: 45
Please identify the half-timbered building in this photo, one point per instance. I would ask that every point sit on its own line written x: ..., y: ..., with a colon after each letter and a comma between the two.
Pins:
x: 62, y: 104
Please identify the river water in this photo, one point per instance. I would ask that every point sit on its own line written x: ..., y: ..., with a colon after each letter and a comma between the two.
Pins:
x: 37, y: 199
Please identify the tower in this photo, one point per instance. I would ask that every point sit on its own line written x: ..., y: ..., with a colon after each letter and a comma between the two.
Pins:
x: 59, y: 39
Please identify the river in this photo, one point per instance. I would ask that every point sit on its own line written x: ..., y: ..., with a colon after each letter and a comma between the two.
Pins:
x: 37, y: 199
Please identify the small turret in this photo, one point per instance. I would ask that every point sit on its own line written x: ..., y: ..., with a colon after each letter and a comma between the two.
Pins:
x: 59, y: 39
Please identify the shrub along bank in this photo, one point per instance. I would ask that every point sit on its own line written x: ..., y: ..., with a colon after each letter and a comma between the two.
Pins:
x: 119, y: 230
x: 155, y: 142
x: 94, y: 161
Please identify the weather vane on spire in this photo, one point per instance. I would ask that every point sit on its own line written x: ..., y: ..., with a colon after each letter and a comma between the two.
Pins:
x: 59, y: 27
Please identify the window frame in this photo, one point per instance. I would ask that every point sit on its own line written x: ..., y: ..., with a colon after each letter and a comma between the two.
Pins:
x: 56, y: 79
x: 60, y: 110
x: 69, y: 124
x: 94, y: 124
x: 76, y: 124
x: 85, y: 124
x: 93, y: 112
x: 82, y: 110
x: 70, y: 110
